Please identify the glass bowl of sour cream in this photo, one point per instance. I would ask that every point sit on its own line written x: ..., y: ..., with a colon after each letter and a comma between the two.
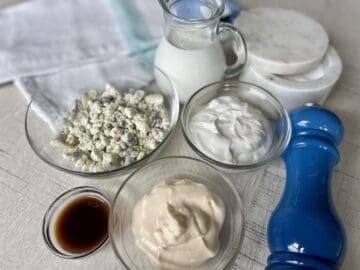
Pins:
x: 177, y: 213
x: 235, y: 125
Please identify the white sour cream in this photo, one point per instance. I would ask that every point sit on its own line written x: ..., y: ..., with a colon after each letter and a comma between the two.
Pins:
x: 231, y: 131
x: 177, y: 224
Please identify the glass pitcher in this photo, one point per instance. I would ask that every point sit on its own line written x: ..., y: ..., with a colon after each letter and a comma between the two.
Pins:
x: 191, y: 50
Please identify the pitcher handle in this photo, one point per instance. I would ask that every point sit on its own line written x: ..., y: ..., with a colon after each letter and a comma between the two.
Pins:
x: 238, y: 46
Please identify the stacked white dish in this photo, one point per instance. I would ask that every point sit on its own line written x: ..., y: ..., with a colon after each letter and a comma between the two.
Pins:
x: 289, y: 55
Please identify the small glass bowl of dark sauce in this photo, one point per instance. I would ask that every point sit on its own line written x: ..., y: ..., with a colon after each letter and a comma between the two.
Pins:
x: 76, y: 223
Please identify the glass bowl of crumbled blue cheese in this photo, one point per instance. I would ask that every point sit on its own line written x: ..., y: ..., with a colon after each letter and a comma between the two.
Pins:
x: 119, y: 115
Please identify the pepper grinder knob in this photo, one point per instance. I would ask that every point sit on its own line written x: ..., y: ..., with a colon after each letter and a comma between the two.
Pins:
x: 304, y: 231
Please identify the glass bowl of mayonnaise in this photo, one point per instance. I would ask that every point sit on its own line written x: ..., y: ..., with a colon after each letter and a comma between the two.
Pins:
x: 177, y: 213
x: 235, y: 125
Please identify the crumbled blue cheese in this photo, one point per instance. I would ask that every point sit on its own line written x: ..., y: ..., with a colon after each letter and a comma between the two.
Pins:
x: 113, y: 129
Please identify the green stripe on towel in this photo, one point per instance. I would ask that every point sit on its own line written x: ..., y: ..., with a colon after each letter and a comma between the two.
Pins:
x: 139, y: 40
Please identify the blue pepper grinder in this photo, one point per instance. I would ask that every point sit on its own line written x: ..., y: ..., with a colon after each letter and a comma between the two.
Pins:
x: 304, y: 231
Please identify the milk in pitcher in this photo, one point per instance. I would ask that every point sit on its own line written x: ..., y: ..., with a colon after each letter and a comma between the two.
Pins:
x: 191, y: 69
x: 190, y: 52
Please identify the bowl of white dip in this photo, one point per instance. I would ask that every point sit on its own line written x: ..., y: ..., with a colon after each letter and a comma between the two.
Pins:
x: 177, y: 213
x: 235, y: 125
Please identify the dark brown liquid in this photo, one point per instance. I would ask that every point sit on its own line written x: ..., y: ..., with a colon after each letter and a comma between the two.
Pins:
x: 82, y: 225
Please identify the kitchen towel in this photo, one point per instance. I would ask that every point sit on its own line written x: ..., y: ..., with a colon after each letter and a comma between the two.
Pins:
x: 41, y: 36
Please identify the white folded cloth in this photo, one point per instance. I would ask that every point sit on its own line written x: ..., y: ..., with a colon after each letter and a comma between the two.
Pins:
x: 41, y: 36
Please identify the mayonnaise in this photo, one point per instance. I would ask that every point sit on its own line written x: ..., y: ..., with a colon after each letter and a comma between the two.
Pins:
x: 231, y: 131
x: 177, y: 224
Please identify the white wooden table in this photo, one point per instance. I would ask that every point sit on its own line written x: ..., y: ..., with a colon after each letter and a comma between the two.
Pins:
x: 28, y: 185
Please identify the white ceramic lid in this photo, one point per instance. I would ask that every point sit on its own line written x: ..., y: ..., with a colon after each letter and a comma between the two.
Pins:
x: 296, y: 90
x: 282, y: 41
